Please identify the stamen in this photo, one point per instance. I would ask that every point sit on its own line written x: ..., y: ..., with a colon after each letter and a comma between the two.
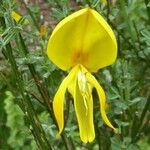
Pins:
x: 83, y: 87
x: 81, y: 81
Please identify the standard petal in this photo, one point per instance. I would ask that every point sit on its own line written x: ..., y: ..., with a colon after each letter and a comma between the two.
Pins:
x: 58, y: 102
x: 102, y: 98
x: 84, y: 114
x: 82, y: 38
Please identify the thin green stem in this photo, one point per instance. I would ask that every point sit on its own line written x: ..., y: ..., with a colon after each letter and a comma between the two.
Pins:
x: 108, y: 10
x: 43, y: 92
x: 98, y: 135
x: 98, y: 132
x: 26, y: 106
x: 148, y: 8
x: 34, y: 96
x: 32, y: 17
x: 26, y: 100
x: 140, y: 121
x: 146, y: 108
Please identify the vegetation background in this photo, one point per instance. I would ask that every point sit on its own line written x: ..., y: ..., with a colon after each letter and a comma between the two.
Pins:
x: 28, y: 80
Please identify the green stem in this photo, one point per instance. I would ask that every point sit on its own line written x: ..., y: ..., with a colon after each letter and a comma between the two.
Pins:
x: 43, y: 92
x: 143, y: 114
x: 146, y: 108
x: 34, y: 96
x: 26, y: 101
x: 97, y: 130
x: 37, y: 142
x: 98, y: 135
x: 26, y: 104
x: 108, y: 11
x: 148, y: 8
x: 32, y: 17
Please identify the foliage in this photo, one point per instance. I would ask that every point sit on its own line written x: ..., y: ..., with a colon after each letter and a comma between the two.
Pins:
x: 15, y: 120
x: 29, y: 80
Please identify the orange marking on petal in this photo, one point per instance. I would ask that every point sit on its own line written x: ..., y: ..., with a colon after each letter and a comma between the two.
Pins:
x: 80, y: 57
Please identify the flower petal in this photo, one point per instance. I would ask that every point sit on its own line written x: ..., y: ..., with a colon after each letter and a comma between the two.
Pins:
x: 15, y: 16
x: 82, y: 38
x: 102, y: 98
x: 58, y: 102
x: 84, y: 114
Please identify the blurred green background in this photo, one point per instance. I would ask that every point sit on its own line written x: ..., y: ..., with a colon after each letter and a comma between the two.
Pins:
x: 28, y: 80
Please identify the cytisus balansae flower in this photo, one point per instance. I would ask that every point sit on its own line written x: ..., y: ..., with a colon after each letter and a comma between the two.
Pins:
x: 17, y: 17
x: 82, y: 43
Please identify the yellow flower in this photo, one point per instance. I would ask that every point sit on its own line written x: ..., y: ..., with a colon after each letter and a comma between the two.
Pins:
x: 84, y: 43
x: 104, y: 1
x: 17, y: 17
